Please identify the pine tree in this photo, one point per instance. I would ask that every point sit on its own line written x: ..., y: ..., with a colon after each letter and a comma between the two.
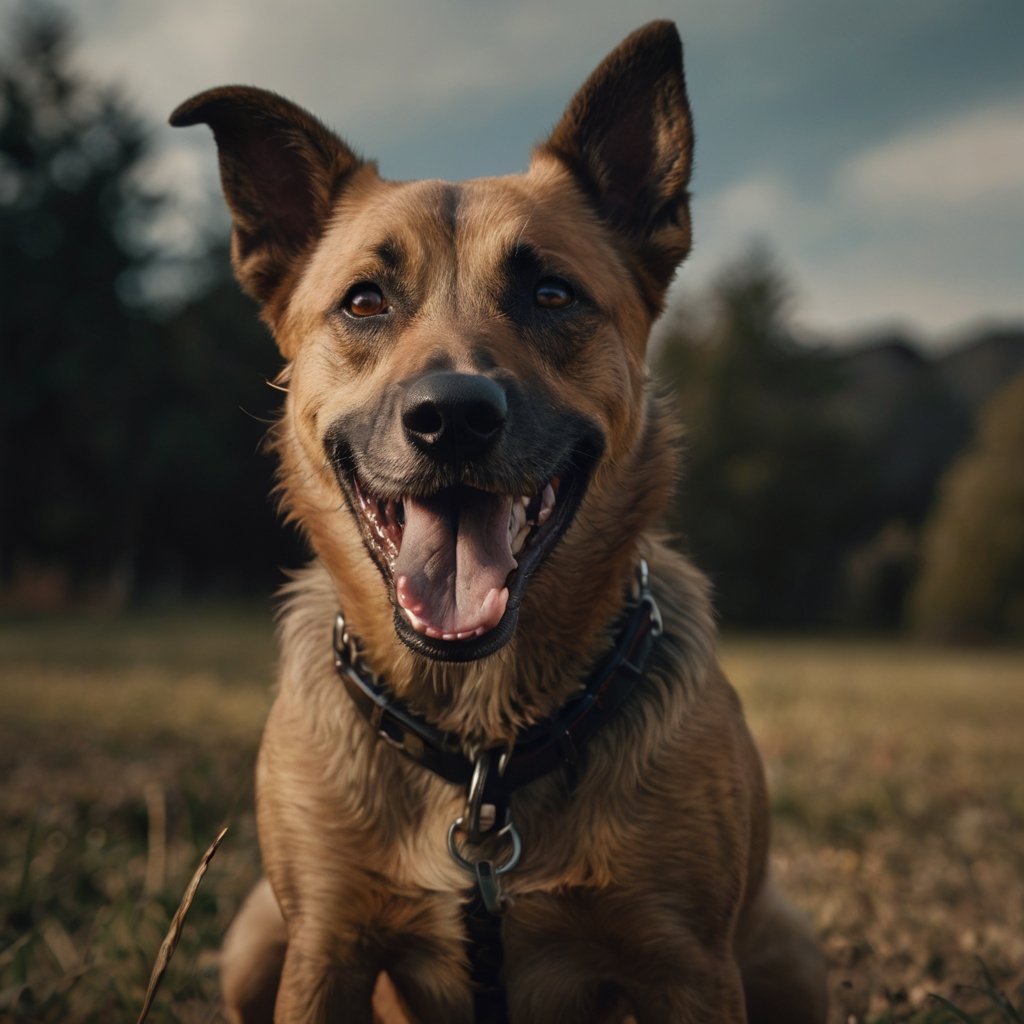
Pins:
x: 78, y: 356
x: 771, y: 485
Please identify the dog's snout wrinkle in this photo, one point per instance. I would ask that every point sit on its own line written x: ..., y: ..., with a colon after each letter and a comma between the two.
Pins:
x: 454, y: 416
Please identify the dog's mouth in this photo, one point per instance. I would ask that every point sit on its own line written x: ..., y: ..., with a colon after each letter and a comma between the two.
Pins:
x: 457, y: 561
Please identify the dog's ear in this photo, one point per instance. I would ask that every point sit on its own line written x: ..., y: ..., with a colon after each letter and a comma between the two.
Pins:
x: 281, y: 170
x: 628, y: 139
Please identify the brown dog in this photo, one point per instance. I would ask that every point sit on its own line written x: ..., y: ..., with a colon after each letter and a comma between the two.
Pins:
x: 512, y: 717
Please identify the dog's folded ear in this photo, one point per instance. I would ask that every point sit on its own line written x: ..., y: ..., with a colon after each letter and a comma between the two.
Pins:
x: 628, y: 139
x: 281, y: 170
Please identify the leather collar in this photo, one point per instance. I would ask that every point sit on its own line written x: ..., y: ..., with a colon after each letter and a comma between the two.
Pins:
x: 539, y: 749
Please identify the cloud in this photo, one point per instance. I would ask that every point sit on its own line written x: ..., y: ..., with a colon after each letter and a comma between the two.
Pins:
x: 923, y: 228
x: 763, y: 207
x: 978, y: 156
x: 879, y: 209
x: 382, y: 66
x: 861, y: 293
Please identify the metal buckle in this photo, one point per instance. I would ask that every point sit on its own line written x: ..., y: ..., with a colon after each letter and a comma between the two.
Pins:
x: 643, y: 573
x: 473, y: 816
x: 340, y: 639
x: 346, y: 652
x: 485, y: 873
x: 646, y: 597
x: 657, y: 626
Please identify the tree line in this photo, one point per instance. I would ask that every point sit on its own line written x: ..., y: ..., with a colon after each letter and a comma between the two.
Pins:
x: 869, y: 486
x: 822, y: 487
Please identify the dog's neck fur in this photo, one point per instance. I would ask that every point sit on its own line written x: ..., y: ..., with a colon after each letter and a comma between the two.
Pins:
x: 567, y: 621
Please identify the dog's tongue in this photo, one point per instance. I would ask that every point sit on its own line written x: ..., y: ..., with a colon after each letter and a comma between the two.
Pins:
x: 453, y: 561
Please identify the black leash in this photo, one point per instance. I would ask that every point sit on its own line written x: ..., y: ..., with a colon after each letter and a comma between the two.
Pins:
x: 486, y: 960
x: 492, y: 777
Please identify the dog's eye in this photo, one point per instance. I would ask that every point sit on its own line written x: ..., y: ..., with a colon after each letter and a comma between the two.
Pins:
x: 553, y: 293
x: 365, y: 300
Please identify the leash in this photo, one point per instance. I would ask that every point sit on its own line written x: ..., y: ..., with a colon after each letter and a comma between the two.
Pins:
x: 491, y: 777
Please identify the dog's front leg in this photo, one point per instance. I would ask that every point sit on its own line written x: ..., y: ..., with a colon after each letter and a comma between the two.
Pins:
x: 556, y: 990
x: 720, y: 1001
x: 317, y: 988
x: 602, y: 1001
x: 314, y: 864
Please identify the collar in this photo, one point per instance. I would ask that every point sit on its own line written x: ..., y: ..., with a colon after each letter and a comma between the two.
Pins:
x: 539, y: 749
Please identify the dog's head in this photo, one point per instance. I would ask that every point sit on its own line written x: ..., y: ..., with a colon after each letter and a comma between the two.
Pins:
x: 466, y: 361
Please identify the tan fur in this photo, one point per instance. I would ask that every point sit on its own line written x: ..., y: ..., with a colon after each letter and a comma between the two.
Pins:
x: 644, y: 890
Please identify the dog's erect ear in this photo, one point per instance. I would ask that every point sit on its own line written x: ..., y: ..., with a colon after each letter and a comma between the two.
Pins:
x: 628, y: 139
x: 281, y: 170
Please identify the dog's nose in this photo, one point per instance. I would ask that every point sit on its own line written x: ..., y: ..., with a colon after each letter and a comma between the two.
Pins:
x: 454, y: 416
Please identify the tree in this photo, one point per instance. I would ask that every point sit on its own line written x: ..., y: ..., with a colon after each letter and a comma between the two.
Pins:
x: 79, y: 360
x: 210, y: 523
x: 128, y: 436
x: 772, y: 487
x: 971, y: 582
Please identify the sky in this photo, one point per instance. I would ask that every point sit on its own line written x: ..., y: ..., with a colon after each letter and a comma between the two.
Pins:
x: 876, y: 147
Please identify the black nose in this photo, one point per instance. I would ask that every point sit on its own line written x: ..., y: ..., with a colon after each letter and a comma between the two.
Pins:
x: 453, y: 417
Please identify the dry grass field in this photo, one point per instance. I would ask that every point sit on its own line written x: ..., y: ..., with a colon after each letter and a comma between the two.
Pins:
x: 897, y: 776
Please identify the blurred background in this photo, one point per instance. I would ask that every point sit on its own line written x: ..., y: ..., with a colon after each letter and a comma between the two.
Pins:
x: 846, y: 346
x: 843, y: 343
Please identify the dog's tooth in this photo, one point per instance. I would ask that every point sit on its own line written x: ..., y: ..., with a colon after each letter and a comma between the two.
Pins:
x: 520, y: 538
x: 547, y: 504
x: 414, y: 620
x: 493, y: 607
x: 405, y: 602
x: 515, y: 521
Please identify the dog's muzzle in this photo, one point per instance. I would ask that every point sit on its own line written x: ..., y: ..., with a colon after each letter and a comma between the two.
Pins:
x: 462, y: 485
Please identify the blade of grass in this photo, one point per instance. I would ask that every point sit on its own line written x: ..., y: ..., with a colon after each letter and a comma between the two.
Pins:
x: 997, y: 995
x: 170, y: 943
x: 953, y: 1008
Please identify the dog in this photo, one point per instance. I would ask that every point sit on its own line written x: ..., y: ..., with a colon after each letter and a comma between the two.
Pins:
x: 504, y: 777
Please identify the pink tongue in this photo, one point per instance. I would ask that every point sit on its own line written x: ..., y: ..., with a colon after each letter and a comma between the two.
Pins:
x: 455, y: 552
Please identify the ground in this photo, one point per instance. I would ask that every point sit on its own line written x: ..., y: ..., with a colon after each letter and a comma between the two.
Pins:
x: 897, y: 777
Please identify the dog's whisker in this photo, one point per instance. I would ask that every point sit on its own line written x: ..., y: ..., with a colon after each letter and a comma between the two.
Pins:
x: 259, y: 419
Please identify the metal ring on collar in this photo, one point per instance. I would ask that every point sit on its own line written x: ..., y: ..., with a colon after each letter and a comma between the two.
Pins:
x: 467, y: 865
x: 646, y: 597
x: 474, y: 801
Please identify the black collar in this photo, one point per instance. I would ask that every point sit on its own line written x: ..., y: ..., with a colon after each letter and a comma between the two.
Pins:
x: 539, y: 749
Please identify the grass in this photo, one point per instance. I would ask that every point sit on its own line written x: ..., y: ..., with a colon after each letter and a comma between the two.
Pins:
x: 897, y: 777
x: 124, y: 747
x: 897, y: 780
